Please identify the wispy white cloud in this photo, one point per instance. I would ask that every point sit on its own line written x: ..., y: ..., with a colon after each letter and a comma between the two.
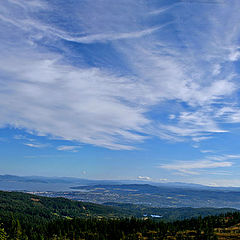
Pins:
x: 68, y: 148
x: 144, y: 178
x: 194, y: 167
x: 48, y: 92
x: 30, y: 142
x: 232, y: 156
x: 35, y: 145
x: 23, y: 137
x: 207, y: 151
x: 163, y: 9
x: 83, y: 106
x: 109, y: 36
x: 31, y: 3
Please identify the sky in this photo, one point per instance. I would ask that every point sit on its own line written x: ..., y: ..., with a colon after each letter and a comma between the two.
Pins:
x: 128, y: 89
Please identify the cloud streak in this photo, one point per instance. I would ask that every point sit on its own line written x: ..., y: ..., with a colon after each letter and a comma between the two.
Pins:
x: 194, y: 167
x: 35, y: 145
x: 68, y: 148
x: 109, y: 36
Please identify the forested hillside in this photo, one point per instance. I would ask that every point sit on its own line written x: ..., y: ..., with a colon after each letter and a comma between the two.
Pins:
x: 27, y: 205
x: 24, y: 216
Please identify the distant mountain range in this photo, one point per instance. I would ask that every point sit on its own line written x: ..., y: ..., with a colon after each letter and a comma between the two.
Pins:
x: 38, y: 183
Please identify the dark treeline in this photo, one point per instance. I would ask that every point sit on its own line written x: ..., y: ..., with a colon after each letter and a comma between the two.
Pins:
x: 29, y: 217
x: 114, y: 229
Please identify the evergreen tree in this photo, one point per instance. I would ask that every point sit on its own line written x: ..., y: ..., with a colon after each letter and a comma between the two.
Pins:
x: 3, y: 234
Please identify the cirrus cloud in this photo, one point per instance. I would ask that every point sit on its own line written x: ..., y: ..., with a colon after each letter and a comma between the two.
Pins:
x: 52, y: 87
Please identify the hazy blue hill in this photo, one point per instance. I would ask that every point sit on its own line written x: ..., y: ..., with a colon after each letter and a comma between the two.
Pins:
x: 159, y: 196
x: 18, y: 180
x: 38, y: 183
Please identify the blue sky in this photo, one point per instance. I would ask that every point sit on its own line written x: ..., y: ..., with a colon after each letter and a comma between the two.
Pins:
x: 128, y: 89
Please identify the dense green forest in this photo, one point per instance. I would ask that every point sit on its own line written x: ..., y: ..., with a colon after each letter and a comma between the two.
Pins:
x: 114, y: 229
x: 25, y: 216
